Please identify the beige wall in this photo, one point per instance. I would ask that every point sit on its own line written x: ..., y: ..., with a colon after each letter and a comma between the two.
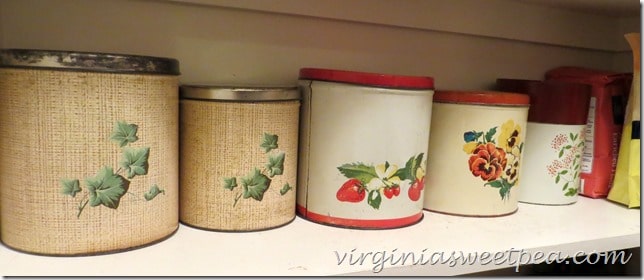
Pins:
x: 461, y: 43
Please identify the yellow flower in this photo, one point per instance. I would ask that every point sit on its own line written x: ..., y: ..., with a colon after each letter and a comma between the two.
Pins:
x: 469, y: 147
x: 509, y: 136
x: 386, y: 177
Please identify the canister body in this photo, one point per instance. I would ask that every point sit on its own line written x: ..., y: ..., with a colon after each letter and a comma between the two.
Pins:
x: 475, y: 153
x: 238, y: 157
x: 362, y: 149
x: 90, y: 159
x: 555, y: 139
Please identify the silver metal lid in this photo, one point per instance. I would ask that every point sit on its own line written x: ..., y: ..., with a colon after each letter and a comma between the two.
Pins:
x: 239, y: 93
x: 89, y: 62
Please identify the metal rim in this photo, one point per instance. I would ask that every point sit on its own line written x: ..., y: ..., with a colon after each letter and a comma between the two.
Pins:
x: 88, y: 61
x: 239, y: 93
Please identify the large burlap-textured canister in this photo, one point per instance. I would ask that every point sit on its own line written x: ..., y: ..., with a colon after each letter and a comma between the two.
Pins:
x: 238, y: 156
x: 475, y: 152
x: 90, y: 151
x: 362, y: 148
x: 555, y: 139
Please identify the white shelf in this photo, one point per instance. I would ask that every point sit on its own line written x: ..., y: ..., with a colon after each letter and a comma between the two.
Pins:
x: 305, y: 248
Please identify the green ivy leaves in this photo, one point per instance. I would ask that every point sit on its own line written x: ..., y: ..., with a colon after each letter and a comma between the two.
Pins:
x: 275, y: 165
x: 255, y: 184
x: 135, y: 161
x: 70, y: 187
x: 108, y: 187
x: 269, y: 142
x: 124, y: 133
x: 153, y: 192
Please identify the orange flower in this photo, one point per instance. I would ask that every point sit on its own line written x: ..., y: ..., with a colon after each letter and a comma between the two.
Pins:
x: 487, y: 161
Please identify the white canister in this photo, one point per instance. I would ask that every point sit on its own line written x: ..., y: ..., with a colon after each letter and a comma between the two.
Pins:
x: 555, y: 139
x: 363, y: 147
x: 475, y: 152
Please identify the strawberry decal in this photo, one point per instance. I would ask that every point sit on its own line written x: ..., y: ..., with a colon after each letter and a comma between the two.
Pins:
x: 374, y: 182
x: 351, y: 191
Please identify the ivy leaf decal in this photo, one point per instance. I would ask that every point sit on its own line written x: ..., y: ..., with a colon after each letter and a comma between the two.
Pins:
x: 106, y: 188
x: 374, y: 198
x: 124, y: 133
x: 275, y: 165
x: 285, y: 189
x: 230, y: 183
x: 359, y: 171
x: 70, y: 187
x: 135, y: 161
x: 255, y: 184
x: 269, y: 142
x: 153, y: 192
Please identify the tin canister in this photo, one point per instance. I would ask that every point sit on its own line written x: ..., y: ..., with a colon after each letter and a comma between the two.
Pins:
x: 238, y: 156
x: 90, y: 151
x: 363, y: 147
x: 475, y: 152
x: 555, y: 139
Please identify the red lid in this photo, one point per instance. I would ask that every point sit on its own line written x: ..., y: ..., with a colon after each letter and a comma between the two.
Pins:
x: 482, y: 97
x: 585, y: 75
x: 554, y: 102
x: 369, y: 79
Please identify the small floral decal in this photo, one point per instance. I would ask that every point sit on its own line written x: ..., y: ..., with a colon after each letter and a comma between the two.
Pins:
x: 495, y: 162
x: 374, y: 182
x: 565, y: 169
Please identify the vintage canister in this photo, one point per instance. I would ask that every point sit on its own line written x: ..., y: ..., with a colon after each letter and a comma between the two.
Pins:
x: 363, y: 146
x: 475, y: 152
x: 90, y: 151
x: 555, y: 139
x: 238, y: 156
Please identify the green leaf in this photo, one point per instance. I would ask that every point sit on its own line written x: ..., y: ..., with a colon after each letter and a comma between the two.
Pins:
x: 135, y: 161
x: 275, y: 165
x: 124, y: 133
x: 409, y: 171
x: 153, y: 192
x: 580, y: 144
x: 70, y: 187
x: 563, y: 172
x: 561, y: 153
x: 230, y: 183
x: 285, y: 189
x: 269, y: 142
x: 490, y: 135
x: 255, y: 184
x: 504, y: 191
x: 565, y: 186
x: 567, y: 147
x: 359, y: 171
x: 374, y: 198
x: 494, y: 184
x: 571, y: 192
x: 557, y: 179
x: 572, y: 137
x: 105, y: 188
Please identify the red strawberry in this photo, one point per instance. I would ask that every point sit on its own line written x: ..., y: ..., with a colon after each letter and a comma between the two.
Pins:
x: 388, y: 192
x: 351, y: 191
x: 396, y: 190
x: 415, y: 188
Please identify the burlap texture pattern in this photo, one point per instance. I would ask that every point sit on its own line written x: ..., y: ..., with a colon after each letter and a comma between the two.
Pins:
x: 56, y: 125
x: 222, y: 139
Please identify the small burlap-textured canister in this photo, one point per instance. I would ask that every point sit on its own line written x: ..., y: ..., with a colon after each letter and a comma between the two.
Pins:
x: 90, y: 151
x: 238, y: 157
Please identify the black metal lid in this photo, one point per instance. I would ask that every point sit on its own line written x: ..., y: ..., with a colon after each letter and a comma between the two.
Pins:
x: 87, y: 61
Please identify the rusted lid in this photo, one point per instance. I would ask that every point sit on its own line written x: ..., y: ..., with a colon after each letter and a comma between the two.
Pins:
x: 367, y: 79
x: 482, y: 98
x: 553, y: 102
x: 87, y: 61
